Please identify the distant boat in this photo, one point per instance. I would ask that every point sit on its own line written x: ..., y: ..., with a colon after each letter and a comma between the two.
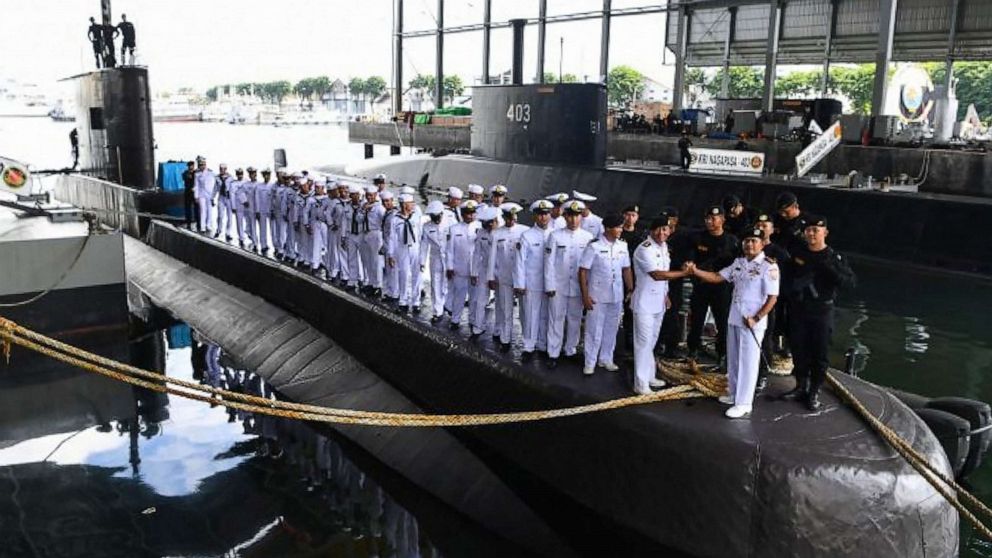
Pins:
x: 63, y: 112
x: 177, y: 110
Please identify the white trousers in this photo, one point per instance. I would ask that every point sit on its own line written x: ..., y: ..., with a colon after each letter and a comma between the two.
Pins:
x: 743, y: 357
x: 225, y: 216
x: 262, y: 240
x: 439, y: 286
x: 279, y: 234
x: 291, y: 235
x: 503, y: 313
x: 458, y: 288
x: 602, y: 324
x: 332, y: 254
x: 408, y: 274
x: 534, y: 320
x: 391, y: 282
x: 371, y: 260
x: 251, y: 226
x: 354, y: 262
x: 304, y: 245
x: 206, y: 213
x: 564, y: 324
x: 319, y: 240
x: 239, y: 219
x: 647, y: 326
x: 478, y: 301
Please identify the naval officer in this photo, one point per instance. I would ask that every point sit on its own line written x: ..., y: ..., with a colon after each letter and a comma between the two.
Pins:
x: 225, y: 217
x: 591, y: 223
x: 263, y: 211
x: 500, y: 274
x: 404, y: 253
x: 528, y: 280
x: 482, y: 259
x: 459, y: 248
x: 432, y: 248
x: 557, y: 220
x: 562, y: 252
x: 756, y: 281
x: 204, y: 182
x: 234, y: 188
x: 650, y: 300
x: 452, y: 213
x: 605, y: 281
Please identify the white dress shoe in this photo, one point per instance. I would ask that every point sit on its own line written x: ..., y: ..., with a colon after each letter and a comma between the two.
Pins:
x: 642, y: 390
x: 738, y: 411
x: 656, y: 383
x: 726, y: 400
x: 588, y: 370
x: 609, y: 366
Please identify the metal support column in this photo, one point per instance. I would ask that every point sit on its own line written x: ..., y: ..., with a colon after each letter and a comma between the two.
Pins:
x: 397, y: 57
x: 542, y: 24
x: 439, y: 62
x: 604, y: 44
x: 725, y: 85
x: 105, y: 13
x: 771, y: 54
x: 681, y: 40
x: 828, y: 46
x: 487, y: 17
x: 517, y: 65
x: 952, y: 37
x: 886, y: 31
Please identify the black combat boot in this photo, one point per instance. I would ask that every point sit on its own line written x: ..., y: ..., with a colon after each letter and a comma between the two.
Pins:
x: 799, y: 392
x: 813, y: 395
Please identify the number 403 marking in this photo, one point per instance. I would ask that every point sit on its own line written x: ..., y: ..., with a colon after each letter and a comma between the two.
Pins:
x: 518, y: 112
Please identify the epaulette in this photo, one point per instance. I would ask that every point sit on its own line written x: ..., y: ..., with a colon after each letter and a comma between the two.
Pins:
x: 770, y: 260
x: 646, y: 243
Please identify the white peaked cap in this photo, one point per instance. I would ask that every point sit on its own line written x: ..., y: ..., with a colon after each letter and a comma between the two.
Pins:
x: 435, y: 207
x: 583, y: 197
x: 542, y: 205
x: 380, y: 176
x: 475, y: 189
x: 455, y: 192
x: 510, y: 207
x: 559, y: 198
x: 498, y: 189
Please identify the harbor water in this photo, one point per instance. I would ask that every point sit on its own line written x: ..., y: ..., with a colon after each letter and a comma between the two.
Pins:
x: 919, y: 331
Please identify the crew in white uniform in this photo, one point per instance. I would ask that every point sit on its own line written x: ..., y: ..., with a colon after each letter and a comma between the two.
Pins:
x: 475, y: 193
x: 432, y: 248
x: 557, y: 219
x: 379, y: 181
x: 225, y: 209
x: 528, y: 280
x: 248, y: 193
x: 591, y: 223
x: 650, y: 300
x: 317, y: 211
x: 204, y: 182
x: 497, y: 197
x: 304, y: 243
x: 756, y: 284
x: 290, y: 250
x: 562, y: 252
x: 338, y: 195
x: 404, y: 253
x: 351, y: 236
x: 372, y: 238
x: 242, y: 207
x: 482, y: 256
x: 604, y: 280
x: 234, y: 187
x: 452, y: 211
x: 280, y: 195
x: 459, y: 247
x: 390, y: 280
x: 263, y: 210
x: 501, y: 269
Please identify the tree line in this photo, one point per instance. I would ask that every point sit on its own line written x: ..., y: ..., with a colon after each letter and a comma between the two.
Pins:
x: 306, y: 89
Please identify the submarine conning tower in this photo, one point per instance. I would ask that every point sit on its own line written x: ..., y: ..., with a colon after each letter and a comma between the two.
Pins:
x: 114, y: 121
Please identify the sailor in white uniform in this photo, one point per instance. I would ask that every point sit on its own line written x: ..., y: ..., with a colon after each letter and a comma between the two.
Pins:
x: 301, y: 218
x: 482, y: 257
x: 234, y: 188
x: 756, y: 284
x: 280, y: 196
x: 372, y: 239
x: 452, y: 211
x: 604, y: 280
x: 475, y: 193
x: 591, y: 223
x: 379, y: 181
x: 500, y: 275
x: 405, y: 233
x: 317, y: 219
x: 557, y: 219
x: 561, y: 281
x: 432, y: 249
x: 225, y: 214
x: 650, y: 300
x: 263, y: 210
x: 248, y: 194
x: 528, y: 280
x: 351, y: 237
x: 459, y: 247
x: 204, y: 182
x: 332, y: 255
x: 390, y: 280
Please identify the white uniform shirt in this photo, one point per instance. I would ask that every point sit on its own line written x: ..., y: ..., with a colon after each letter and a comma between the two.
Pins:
x: 263, y: 198
x: 605, y: 261
x: 296, y: 210
x: 432, y: 243
x: 204, y: 182
x: 460, y: 245
x: 233, y: 192
x: 351, y: 222
x: 562, y: 252
x: 505, y: 257
x: 482, y: 254
x: 649, y: 294
x: 404, y: 231
x: 559, y: 222
x: 593, y: 224
x: 450, y: 217
x: 372, y: 215
x: 247, y: 192
x: 754, y: 281
x: 222, y: 185
x: 528, y: 269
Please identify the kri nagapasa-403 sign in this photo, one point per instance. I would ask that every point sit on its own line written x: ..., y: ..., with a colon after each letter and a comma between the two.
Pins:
x: 726, y: 161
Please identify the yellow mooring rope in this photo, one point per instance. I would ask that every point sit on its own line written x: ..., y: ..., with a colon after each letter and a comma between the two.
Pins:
x: 695, y: 385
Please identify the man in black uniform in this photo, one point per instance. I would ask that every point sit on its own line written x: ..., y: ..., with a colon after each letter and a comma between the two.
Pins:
x: 679, y: 247
x: 95, y: 35
x: 126, y: 29
x: 712, y: 250
x: 776, y: 254
x: 684, y: 144
x: 189, y: 199
x: 109, y: 58
x: 788, y: 224
x: 630, y: 234
x: 818, y: 273
x: 740, y: 219
x: 74, y: 142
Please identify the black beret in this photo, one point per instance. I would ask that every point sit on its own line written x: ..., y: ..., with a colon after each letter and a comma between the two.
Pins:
x: 714, y: 210
x: 730, y: 201
x: 763, y: 217
x: 785, y: 199
x: 659, y: 221
x: 751, y: 233
x: 632, y: 208
x: 612, y: 221
x: 814, y: 221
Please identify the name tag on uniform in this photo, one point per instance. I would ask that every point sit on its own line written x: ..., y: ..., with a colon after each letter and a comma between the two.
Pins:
x: 702, y: 248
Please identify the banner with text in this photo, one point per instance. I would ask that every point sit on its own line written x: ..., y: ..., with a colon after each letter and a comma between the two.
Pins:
x: 820, y: 148
x: 726, y: 161
x: 14, y: 177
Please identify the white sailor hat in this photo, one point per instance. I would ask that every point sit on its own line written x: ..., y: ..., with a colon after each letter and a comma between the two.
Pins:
x: 498, y: 189
x: 559, y: 198
x: 239, y: 170
x: 435, y: 207
x: 408, y: 190
x: 488, y: 213
x: 354, y: 189
x: 510, y: 207
x: 301, y: 180
x: 295, y: 175
x: 251, y: 169
x: 583, y: 197
x: 386, y: 195
x: 469, y: 205
x: 475, y: 189
x: 405, y: 198
x: 380, y: 176
x: 541, y: 206
x: 266, y: 170
x: 371, y: 189
x: 574, y: 206
x: 455, y: 192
